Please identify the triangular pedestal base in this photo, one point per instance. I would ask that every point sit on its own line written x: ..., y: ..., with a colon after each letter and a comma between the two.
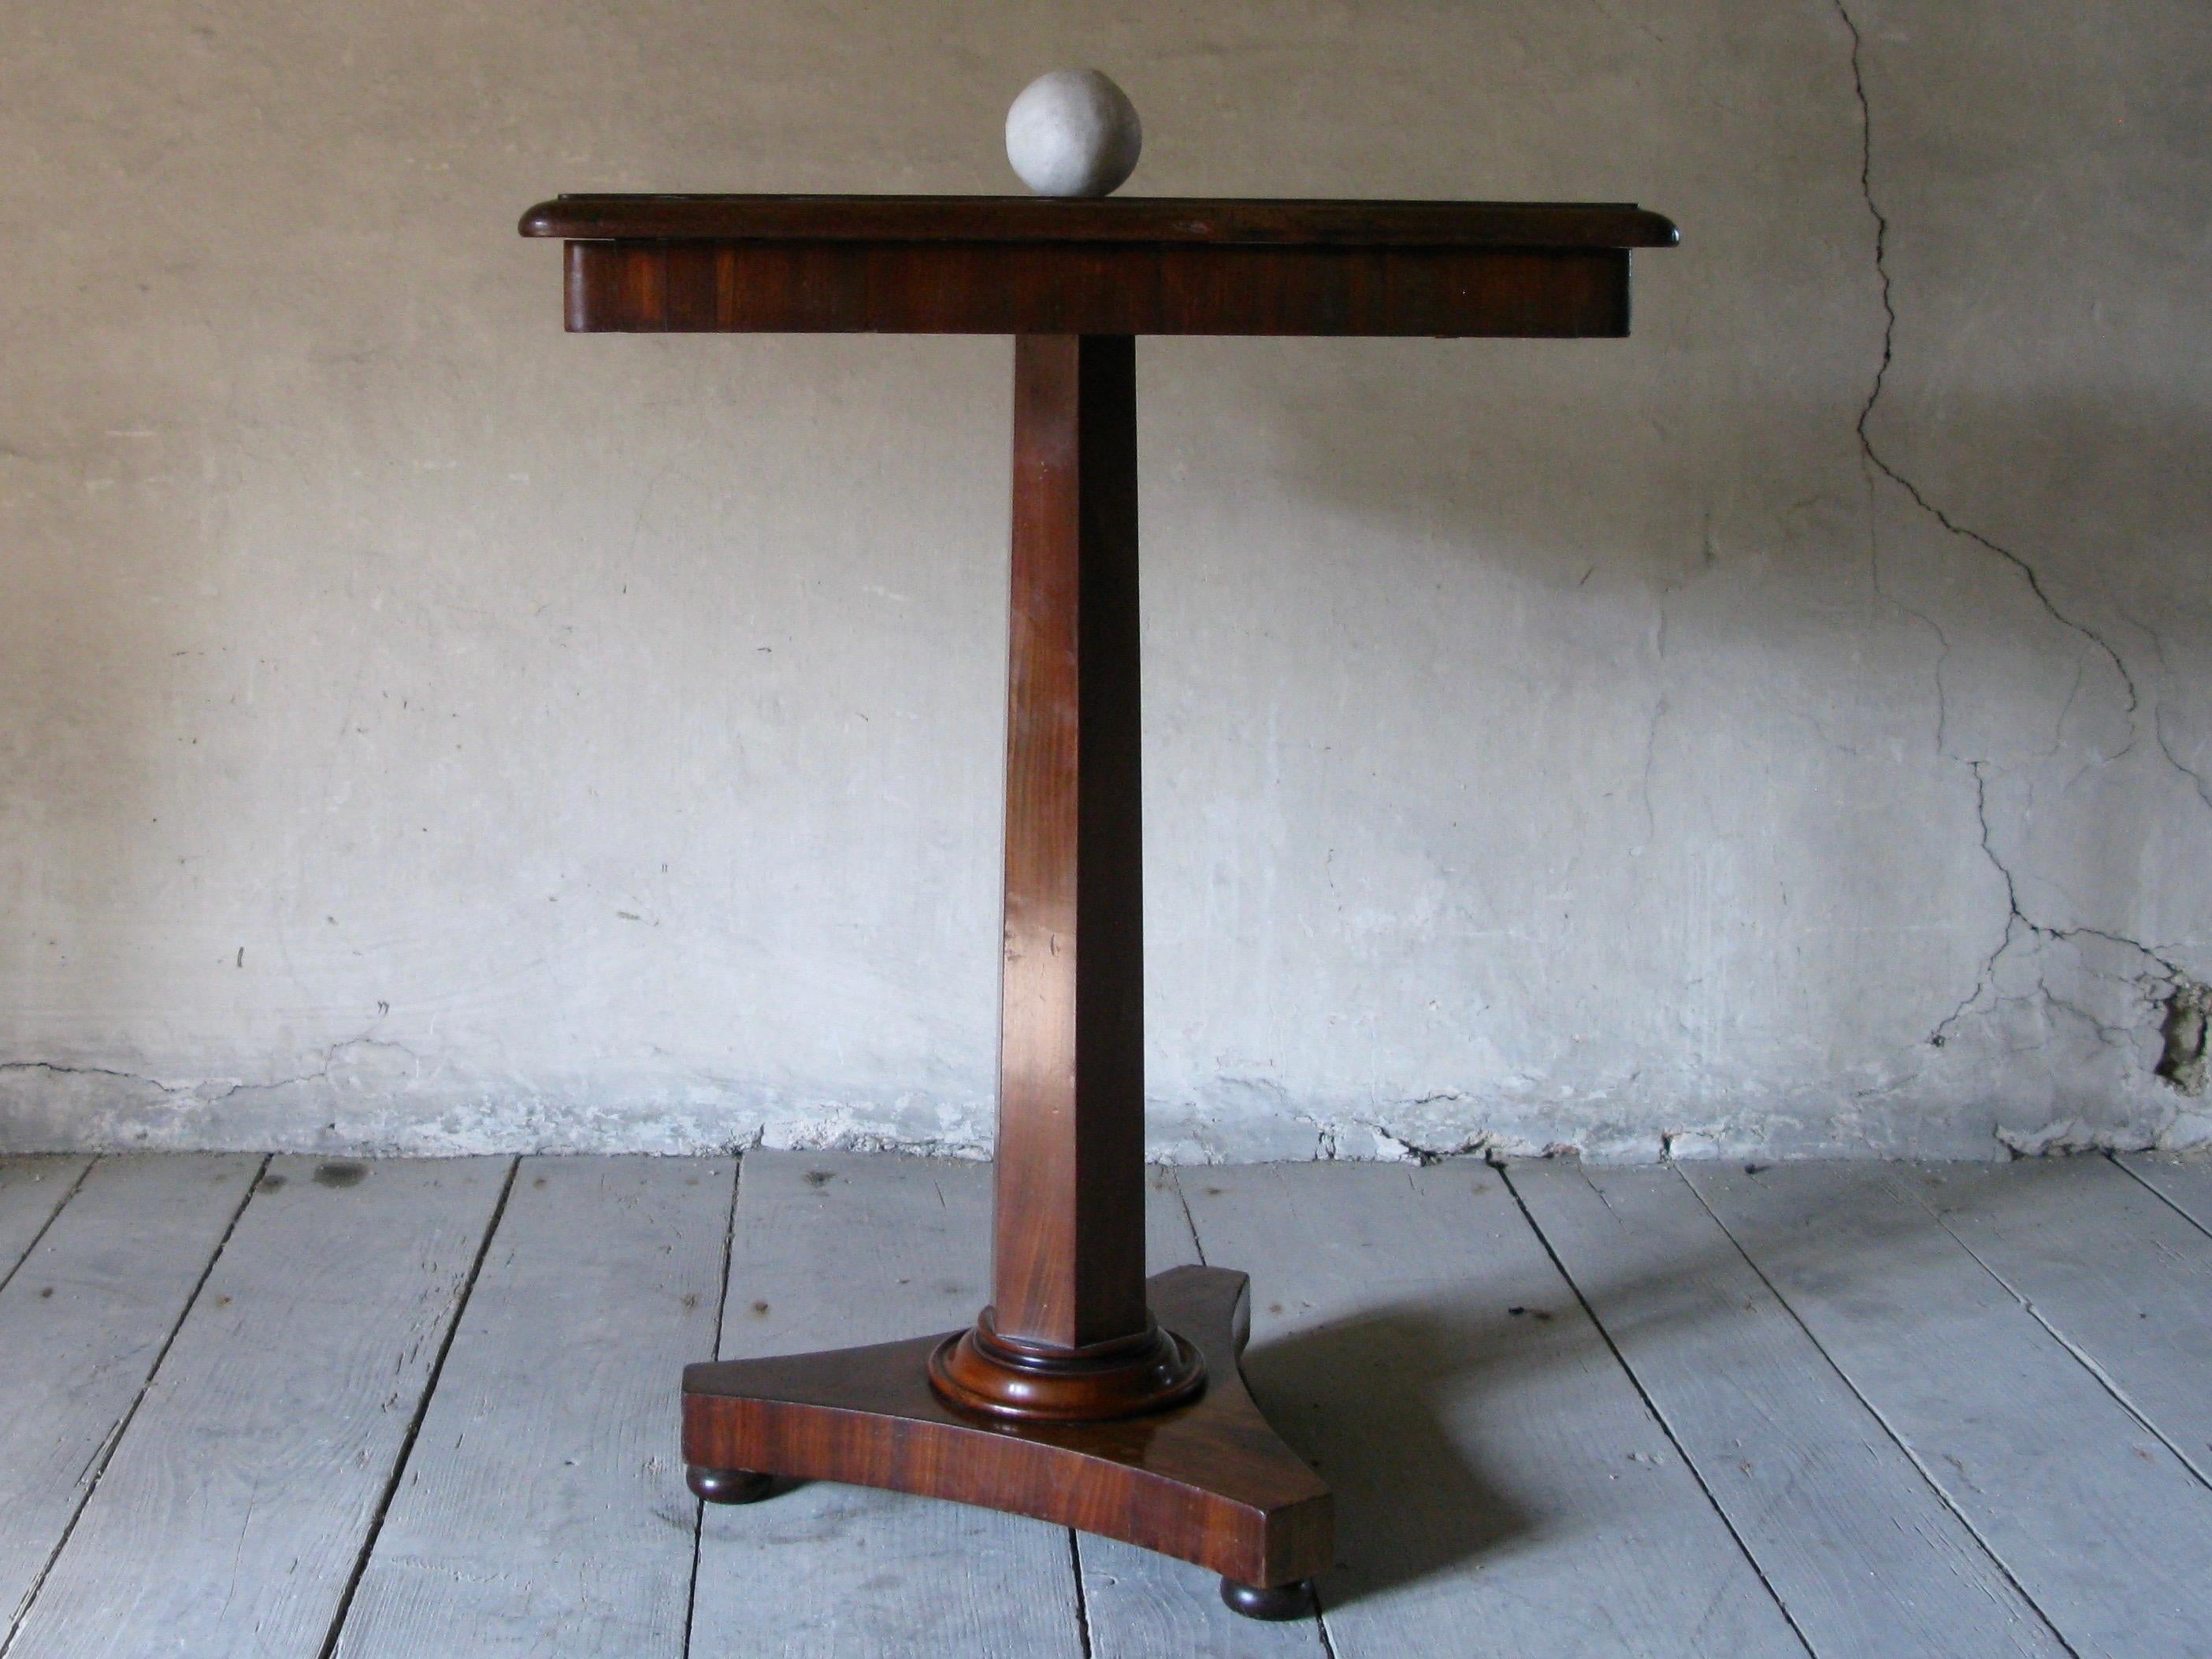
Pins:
x: 1208, y: 1481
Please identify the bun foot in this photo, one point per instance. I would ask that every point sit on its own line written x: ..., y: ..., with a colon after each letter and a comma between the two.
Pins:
x: 726, y: 1486
x: 1292, y: 1601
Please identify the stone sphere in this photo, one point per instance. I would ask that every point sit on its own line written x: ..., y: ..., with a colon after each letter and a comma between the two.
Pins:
x: 1073, y: 132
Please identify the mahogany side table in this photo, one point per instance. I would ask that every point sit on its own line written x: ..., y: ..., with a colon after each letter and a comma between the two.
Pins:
x: 1083, y: 1394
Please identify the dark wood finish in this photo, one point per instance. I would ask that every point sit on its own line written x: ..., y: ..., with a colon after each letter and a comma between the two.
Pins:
x: 1081, y: 288
x: 727, y: 1486
x: 1068, y: 1247
x: 1208, y: 1482
x: 1212, y: 221
x: 1004, y: 264
x: 1067, y: 1336
x: 980, y: 1370
x: 1274, y: 1603
x: 1076, y: 1396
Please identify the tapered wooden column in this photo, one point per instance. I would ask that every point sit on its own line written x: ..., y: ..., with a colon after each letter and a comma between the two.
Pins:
x: 1069, y: 1242
x: 1067, y: 1333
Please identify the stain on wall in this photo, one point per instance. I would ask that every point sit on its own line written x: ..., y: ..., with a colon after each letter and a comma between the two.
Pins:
x: 1783, y: 732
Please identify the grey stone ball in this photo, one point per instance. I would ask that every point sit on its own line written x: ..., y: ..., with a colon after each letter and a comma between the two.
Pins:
x: 1073, y: 132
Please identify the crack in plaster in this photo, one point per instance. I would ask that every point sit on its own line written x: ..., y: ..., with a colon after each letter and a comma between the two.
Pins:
x: 2197, y: 780
x: 1866, y: 445
x: 1396, y: 1146
x: 1411, y: 1151
x: 53, y: 1068
x: 1651, y: 760
x: 2170, y: 979
x: 1331, y: 1137
x: 198, y: 1092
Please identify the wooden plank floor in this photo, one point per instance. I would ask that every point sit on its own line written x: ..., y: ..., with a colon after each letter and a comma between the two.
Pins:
x: 284, y: 1406
x: 275, y: 1424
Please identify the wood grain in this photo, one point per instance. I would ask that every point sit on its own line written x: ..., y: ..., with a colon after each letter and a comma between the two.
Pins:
x: 969, y: 288
x: 1498, y: 1498
x: 1212, y: 221
x: 839, y: 1248
x: 1502, y: 1488
x: 2185, y: 1183
x: 1207, y: 1479
x: 31, y: 1189
x: 2103, y: 1527
x: 543, y: 1509
x: 1068, y: 1243
x: 1137, y: 1604
x: 82, y: 1324
x: 243, y: 1495
x: 1863, y: 1552
x: 2109, y: 1268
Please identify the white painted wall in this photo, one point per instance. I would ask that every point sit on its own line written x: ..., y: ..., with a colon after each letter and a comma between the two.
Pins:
x: 422, y: 730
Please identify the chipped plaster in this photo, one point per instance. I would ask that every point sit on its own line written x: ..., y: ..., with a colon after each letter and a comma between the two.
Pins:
x: 1783, y: 732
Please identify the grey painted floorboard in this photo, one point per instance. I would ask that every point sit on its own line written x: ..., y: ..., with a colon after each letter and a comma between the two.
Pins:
x: 1139, y: 1605
x: 82, y: 1324
x: 839, y: 1248
x: 31, y: 1189
x: 198, y: 1436
x: 2093, y: 1516
x: 543, y: 1510
x: 1501, y: 1486
x: 1861, y: 1550
x: 231, y: 1517
x: 2109, y: 1266
x: 2185, y: 1183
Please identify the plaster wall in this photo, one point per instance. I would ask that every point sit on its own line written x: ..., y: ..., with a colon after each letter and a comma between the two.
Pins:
x: 1785, y: 731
